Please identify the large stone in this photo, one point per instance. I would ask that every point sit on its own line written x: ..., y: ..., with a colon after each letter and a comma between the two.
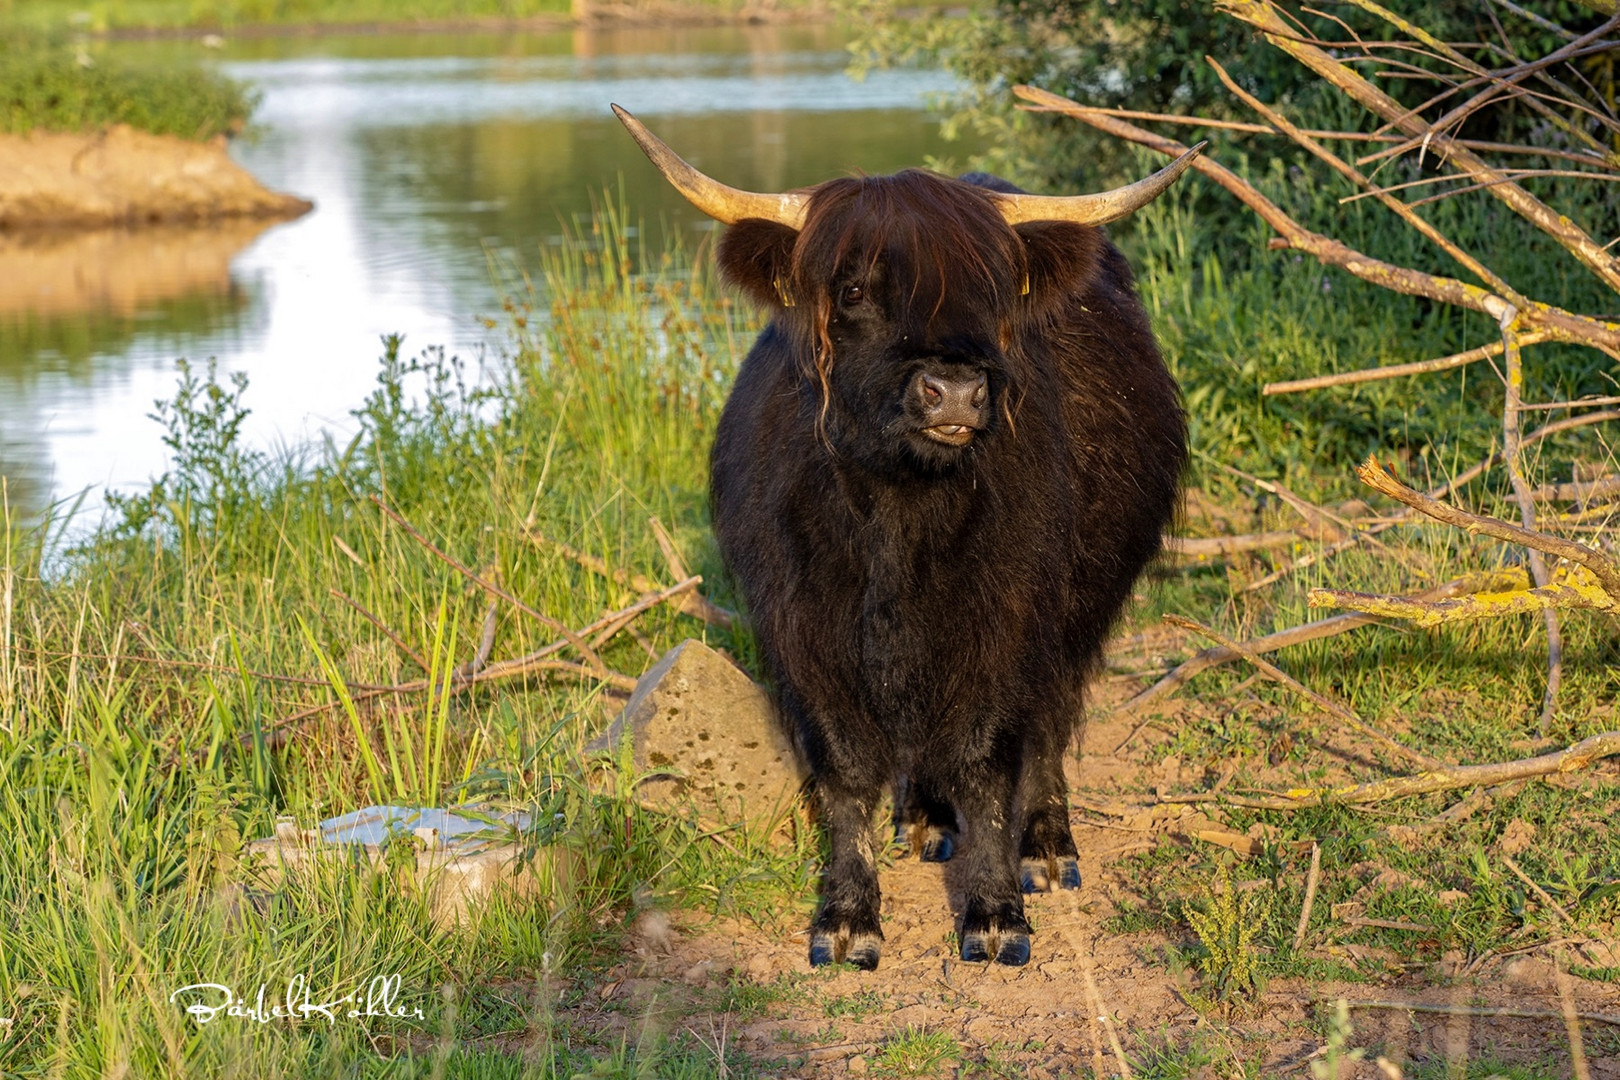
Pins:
x: 464, y: 855
x: 703, y: 733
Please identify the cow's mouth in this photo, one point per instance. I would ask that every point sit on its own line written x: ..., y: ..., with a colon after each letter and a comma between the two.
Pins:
x: 950, y: 434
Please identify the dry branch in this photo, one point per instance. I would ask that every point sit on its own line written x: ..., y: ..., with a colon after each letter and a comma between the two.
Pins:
x: 1406, y: 213
x: 693, y: 603
x: 1311, y: 880
x: 1470, y: 1010
x: 1298, y: 635
x: 1262, y: 15
x: 1373, y: 473
x: 541, y: 660
x: 1448, y: 778
x: 399, y: 642
x: 1326, y: 704
x: 1557, y: 323
x: 493, y: 589
x: 1393, y: 371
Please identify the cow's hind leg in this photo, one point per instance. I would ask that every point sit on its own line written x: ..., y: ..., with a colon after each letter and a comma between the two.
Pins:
x: 847, y: 928
x: 993, y: 922
x: 1047, y: 854
x: 924, y: 821
x: 1047, y: 857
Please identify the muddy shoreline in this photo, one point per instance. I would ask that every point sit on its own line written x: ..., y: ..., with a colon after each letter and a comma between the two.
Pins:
x: 123, y: 177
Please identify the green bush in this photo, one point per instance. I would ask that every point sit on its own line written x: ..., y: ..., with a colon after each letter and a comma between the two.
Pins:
x: 57, y: 86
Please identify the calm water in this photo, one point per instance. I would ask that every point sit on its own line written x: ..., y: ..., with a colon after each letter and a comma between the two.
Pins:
x: 431, y: 160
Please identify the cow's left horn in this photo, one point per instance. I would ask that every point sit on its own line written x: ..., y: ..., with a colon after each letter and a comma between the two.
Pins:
x: 1098, y: 209
x: 726, y: 205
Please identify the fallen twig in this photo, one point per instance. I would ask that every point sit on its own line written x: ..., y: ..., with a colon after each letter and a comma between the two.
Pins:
x: 694, y: 604
x: 1376, y: 476
x: 1440, y: 492
x: 486, y: 644
x: 1513, y: 398
x: 539, y: 660
x: 1099, y: 1011
x: 399, y: 642
x: 1557, y: 908
x: 1327, y: 704
x: 1472, y: 1010
x: 1446, y: 778
x: 1311, y: 880
x: 1558, y: 323
x: 493, y: 589
x: 1298, y: 635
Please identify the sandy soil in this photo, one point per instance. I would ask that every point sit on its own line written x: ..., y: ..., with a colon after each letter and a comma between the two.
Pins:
x: 1039, y: 1020
x: 122, y: 176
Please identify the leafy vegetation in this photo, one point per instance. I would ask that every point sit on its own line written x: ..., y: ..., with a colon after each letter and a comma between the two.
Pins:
x: 1149, y: 55
x: 50, y: 83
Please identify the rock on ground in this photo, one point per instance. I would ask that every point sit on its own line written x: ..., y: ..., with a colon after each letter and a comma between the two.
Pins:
x: 702, y: 730
x: 123, y: 176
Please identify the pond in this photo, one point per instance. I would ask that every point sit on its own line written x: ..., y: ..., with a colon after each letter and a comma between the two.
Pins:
x: 440, y: 166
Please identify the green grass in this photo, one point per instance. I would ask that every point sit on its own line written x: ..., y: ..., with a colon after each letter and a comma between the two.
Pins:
x: 49, y: 83
x: 114, y: 15
x: 130, y: 784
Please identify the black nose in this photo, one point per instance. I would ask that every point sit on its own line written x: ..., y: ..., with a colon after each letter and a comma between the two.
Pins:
x: 953, y: 406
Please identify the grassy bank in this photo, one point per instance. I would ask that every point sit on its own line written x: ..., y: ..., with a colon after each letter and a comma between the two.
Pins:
x: 201, y: 15
x: 147, y: 679
x: 49, y: 83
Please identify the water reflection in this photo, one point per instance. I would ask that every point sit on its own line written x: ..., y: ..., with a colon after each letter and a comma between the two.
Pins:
x: 430, y: 158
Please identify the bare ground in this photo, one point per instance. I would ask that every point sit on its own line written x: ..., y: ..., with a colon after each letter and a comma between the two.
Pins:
x: 692, y: 974
x: 122, y: 176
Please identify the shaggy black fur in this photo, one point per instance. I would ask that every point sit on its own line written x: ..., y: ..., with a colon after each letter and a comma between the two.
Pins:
x: 930, y: 609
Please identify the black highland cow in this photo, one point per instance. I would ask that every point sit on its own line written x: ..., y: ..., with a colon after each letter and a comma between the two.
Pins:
x: 943, y: 466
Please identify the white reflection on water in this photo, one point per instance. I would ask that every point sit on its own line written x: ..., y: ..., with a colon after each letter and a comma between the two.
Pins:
x: 421, y: 168
x: 454, y: 90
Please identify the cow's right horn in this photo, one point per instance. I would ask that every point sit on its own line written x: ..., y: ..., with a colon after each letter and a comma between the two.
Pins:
x: 726, y: 205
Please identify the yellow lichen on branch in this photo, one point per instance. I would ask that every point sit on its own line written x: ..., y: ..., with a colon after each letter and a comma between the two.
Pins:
x: 1572, y: 587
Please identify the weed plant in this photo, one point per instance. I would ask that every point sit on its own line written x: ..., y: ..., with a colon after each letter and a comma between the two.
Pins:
x: 50, y: 83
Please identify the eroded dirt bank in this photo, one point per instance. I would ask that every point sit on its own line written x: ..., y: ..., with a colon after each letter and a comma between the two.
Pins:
x: 122, y: 176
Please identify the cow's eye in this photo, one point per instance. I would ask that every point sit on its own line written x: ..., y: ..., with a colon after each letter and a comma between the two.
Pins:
x: 853, y: 294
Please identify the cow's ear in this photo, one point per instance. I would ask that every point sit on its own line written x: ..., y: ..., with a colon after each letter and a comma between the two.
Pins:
x: 1063, y: 259
x: 756, y: 256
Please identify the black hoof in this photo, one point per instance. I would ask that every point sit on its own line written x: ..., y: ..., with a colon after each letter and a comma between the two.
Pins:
x: 861, y: 950
x: 864, y: 952
x: 1014, y: 951
x: 938, y: 846
x: 1033, y: 876
x: 1068, y: 874
x: 1010, y: 947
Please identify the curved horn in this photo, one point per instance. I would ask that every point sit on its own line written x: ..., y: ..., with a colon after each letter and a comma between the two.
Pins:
x: 1098, y: 209
x: 726, y: 205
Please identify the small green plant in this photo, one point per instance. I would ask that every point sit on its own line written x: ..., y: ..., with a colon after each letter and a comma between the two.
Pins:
x: 918, y: 1052
x: 1336, y: 1057
x: 1228, y: 930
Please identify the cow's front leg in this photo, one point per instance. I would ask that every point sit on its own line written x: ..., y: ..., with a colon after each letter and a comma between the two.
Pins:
x: 993, y: 923
x: 847, y: 928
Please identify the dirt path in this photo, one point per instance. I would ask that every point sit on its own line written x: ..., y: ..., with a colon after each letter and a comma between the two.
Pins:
x: 923, y: 1012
